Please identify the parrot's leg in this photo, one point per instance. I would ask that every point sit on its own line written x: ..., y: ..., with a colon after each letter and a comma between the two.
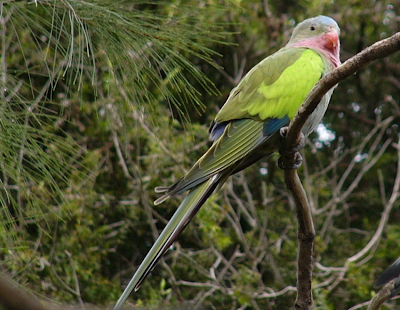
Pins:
x: 290, y: 158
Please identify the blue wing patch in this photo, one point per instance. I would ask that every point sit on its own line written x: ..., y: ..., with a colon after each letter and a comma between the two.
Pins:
x: 274, y: 124
x: 216, y: 130
x: 269, y: 128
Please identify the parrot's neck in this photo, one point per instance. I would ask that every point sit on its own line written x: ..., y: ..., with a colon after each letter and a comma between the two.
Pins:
x: 325, y: 47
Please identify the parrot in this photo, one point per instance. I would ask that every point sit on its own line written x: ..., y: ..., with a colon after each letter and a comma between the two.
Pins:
x: 248, y: 126
x: 389, y: 274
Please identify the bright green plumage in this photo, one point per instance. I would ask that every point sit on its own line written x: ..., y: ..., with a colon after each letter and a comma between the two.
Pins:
x: 261, y: 95
x: 258, y: 97
x: 246, y: 129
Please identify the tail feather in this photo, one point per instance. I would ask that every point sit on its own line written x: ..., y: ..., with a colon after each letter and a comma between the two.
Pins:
x: 161, y: 189
x: 188, y: 208
x: 168, y: 190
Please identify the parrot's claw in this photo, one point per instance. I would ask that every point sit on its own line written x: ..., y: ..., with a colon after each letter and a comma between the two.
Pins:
x: 290, y: 158
x: 295, y: 159
x: 283, y: 131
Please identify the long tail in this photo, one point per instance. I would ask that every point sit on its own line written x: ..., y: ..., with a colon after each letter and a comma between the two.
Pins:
x: 188, y: 208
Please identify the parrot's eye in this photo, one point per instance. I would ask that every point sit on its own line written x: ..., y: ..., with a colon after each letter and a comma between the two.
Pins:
x: 312, y: 28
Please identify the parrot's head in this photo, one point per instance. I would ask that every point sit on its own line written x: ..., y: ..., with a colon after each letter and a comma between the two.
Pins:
x: 321, y: 33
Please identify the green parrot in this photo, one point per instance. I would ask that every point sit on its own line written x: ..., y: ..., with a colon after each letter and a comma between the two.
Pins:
x: 247, y: 128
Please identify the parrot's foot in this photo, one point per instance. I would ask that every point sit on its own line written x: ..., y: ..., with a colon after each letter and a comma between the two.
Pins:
x: 290, y: 158
x: 294, y: 159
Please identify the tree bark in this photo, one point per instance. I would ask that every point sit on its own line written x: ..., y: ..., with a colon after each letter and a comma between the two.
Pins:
x: 306, y: 233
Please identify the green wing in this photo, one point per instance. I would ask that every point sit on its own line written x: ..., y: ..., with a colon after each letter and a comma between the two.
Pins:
x: 275, y: 87
x: 265, y: 100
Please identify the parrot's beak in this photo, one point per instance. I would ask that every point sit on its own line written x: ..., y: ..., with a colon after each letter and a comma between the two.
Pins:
x: 332, y: 39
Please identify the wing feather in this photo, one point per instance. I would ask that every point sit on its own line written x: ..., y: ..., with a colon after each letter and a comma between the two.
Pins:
x: 274, y: 88
x: 264, y: 101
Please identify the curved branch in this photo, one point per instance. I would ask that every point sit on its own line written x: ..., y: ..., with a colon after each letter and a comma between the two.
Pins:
x: 380, y: 49
x: 306, y: 231
x: 380, y: 297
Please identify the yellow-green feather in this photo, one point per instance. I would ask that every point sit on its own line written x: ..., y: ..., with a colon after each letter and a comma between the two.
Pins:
x: 243, y: 135
x: 285, y: 95
x: 276, y: 87
x: 258, y: 97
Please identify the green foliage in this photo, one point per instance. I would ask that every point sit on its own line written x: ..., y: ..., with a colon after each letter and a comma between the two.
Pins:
x: 92, y: 100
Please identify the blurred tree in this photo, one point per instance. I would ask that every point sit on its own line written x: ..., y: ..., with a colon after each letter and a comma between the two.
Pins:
x: 74, y: 74
x: 93, y: 97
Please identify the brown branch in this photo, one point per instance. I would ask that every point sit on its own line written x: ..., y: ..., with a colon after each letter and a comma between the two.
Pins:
x: 383, y: 295
x: 305, y: 235
x: 306, y: 231
x: 380, y: 49
x: 14, y: 298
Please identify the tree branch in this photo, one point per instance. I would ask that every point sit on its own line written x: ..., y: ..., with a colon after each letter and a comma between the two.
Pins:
x: 306, y: 231
x: 378, y: 50
x: 14, y: 298
x: 305, y: 235
x: 380, y: 297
